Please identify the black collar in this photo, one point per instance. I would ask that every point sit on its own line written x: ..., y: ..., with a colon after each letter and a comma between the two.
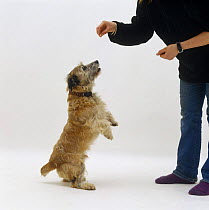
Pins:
x: 81, y: 94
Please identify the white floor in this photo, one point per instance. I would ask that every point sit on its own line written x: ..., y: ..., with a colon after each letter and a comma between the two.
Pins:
x: 123, y: 182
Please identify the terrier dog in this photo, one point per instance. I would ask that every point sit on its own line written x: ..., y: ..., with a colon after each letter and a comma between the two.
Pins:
x: 87, y: 118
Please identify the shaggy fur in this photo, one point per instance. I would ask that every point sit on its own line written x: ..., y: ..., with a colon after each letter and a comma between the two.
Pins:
x: 87, y: 118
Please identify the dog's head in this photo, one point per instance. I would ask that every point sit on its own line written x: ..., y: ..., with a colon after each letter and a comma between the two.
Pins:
x: 83, y: 76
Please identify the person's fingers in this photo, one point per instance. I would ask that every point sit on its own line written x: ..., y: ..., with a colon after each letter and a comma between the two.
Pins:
x: 164, y: 55
x: 99, y: 27
x: 98, y: 30
x: 163, y: 51
x: 101, y: 24
x: 104, y: 32
x: 104, y: 28
x: 167, y: 56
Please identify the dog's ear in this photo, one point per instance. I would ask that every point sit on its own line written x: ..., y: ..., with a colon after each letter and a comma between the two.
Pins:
x: 73, y: 81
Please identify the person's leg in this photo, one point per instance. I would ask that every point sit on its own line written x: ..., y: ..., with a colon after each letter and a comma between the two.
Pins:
x: 203, y: 187
x: 191, y: 100
x: 205, y: 168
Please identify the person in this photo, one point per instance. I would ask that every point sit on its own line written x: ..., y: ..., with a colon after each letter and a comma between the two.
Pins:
x: 183, y: 25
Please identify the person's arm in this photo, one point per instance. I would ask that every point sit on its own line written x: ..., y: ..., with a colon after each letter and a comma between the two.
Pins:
x: 198, y: 11
x: 137, y: 32
x: 197, y: 41
x: 171, y: 51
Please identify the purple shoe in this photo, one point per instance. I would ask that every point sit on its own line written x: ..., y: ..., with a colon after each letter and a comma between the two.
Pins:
x: 201, y: 189
x: 172, y: 179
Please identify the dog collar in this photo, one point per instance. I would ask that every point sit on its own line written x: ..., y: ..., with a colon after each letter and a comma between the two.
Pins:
x: 86, y: 94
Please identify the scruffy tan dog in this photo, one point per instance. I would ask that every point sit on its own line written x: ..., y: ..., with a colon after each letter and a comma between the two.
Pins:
x: 87, y: 118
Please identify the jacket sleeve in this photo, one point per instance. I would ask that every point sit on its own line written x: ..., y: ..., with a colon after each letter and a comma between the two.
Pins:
x: 137, y: 32
x: 199, y: 12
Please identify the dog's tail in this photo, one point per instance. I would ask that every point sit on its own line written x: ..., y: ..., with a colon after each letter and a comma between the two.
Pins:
x: 50, y: 166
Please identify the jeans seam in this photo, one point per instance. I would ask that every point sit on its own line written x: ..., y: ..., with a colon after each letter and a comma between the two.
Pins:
x: 195, y: 147
x: 183, y: 176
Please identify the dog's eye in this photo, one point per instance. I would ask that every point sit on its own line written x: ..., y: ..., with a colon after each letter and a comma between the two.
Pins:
x: 84, y: 68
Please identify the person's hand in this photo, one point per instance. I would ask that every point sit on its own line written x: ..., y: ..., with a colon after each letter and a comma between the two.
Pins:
x: 169, y: 52
x: 105, y: 27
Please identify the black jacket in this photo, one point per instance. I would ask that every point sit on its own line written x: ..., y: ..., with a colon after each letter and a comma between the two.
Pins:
x: 173, y: 21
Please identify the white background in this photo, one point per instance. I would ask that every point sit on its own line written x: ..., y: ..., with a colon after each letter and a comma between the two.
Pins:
x: 40, y: 42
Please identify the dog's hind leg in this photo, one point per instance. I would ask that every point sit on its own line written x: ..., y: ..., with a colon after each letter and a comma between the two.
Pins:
x: 66, y: 171
x: 81, y: 182
x: 66, y: 180
x: 84, y: 185
x: 75, y: 175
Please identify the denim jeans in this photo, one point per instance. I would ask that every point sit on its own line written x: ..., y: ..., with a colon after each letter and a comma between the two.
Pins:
x: 192, y: 96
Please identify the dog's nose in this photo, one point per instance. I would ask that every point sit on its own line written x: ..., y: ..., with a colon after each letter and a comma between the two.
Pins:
x: 97, y: 62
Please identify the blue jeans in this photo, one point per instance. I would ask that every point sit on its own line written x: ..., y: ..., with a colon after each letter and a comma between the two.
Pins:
x: 192, y: 96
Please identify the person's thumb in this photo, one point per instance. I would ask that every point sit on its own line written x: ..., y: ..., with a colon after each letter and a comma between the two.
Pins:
x: 161, y: 51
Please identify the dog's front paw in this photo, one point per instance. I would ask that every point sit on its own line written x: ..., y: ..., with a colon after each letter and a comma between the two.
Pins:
x: 109, y: 136
x: 114, y: 123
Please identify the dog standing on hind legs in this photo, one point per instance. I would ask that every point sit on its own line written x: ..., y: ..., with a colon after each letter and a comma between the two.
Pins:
x: 87, y: 118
